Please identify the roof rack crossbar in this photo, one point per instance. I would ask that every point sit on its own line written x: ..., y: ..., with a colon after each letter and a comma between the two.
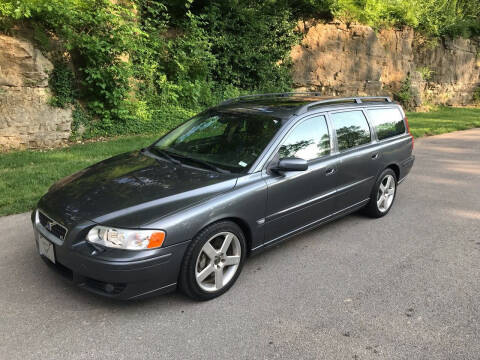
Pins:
x: 356, y: 100
x: 244, y: 97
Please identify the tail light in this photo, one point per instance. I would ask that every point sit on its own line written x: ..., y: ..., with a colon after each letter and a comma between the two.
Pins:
x: 408, y: 129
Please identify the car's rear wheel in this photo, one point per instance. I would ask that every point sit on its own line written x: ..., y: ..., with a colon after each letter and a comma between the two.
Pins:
x: 213, y: 261
x: 383, y: 194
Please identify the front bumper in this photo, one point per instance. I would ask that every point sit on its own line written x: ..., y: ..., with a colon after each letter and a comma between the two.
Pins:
x: 120, y: 279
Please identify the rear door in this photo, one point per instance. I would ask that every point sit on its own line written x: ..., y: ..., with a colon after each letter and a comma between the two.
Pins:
x: 394, y: 142
x: 358, y: 156
x: 299, y: 198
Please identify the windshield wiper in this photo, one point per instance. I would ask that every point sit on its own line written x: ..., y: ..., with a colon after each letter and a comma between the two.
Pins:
x: 201, y: 162
x: 165, y: 155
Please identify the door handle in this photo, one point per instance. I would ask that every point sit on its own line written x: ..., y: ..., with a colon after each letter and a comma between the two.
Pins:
x: 375, y: 156
x: 330, y: 171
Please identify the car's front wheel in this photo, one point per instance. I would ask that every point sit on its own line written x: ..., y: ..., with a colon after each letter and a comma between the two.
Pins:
x: 213, y: 261
x: 383, y: 194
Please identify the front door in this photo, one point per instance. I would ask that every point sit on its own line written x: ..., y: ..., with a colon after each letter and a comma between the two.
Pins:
x: 299, y: 198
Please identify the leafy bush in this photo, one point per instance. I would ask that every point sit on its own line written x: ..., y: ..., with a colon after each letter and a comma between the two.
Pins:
x: 61, y: 82
x: 80, y: 122
x: 209, y: 52
x: 426, y: 73
x: 405, y: 95
x: 476, y: 95
x: 253, y: 51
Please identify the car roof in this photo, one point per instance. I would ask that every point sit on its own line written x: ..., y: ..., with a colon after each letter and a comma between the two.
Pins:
x: 284, y: 105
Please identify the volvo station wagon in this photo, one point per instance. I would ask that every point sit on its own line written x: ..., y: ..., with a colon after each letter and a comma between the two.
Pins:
x: 187, y: 211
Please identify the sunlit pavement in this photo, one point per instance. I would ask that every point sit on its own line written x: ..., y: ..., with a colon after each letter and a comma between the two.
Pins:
x: 404, y: 286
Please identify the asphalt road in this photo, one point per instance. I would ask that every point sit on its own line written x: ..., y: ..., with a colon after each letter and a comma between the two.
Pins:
x: 406, y: 286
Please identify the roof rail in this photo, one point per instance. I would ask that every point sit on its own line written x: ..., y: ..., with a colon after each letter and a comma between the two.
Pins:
x: 355, y: 100
x: 229, y: 101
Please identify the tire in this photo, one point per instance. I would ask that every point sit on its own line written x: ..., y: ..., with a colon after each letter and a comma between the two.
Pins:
x: 376, y: 208
x: 208, y: 270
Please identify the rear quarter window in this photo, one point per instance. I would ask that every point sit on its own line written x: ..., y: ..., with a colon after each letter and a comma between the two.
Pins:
x: 388, y: 122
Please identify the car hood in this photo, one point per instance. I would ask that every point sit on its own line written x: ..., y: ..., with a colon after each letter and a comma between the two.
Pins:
x: 131, y: 190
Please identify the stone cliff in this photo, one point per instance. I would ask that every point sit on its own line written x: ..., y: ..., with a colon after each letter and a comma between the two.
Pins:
x: 26, y: 119
x: 333, y: 58
x: 337, y: 59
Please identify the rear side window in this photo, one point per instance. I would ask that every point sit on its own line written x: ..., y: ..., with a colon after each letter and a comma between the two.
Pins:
x: 387, y: 122
x: 352, y: 129
x: 308, y: 140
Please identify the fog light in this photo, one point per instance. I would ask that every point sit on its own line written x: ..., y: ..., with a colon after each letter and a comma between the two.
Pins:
x: 109, y: 288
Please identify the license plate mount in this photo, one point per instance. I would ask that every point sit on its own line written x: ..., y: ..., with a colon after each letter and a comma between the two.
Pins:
x: 46, y: 248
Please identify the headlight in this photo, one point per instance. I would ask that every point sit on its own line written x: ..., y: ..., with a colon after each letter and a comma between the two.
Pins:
x: 126, y: 239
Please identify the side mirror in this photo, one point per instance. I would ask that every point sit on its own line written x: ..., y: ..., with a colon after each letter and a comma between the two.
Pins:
x: 291, y: 164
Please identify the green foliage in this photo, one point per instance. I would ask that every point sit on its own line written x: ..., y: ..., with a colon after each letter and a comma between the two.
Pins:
x: 146, y: 65
x: 431, y: 17
x: 99, y: 35
x: 476, y: 95
x: 426, y: 73
x: 81, y: 121
x: 377, y: 13
x: 252, y: 53
x: 207, y: 52
x: 40, y: 37
x: 405, y: 95
x: 61, y: 82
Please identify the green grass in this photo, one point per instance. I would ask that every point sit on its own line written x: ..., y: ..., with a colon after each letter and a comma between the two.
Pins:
x: 443, y: 120
x: 26, y: 175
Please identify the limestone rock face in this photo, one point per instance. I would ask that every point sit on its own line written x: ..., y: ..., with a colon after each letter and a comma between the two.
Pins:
x: 455, y: 66
x: 21, y: 64
x: 26, y: 119
x: 339, y: 60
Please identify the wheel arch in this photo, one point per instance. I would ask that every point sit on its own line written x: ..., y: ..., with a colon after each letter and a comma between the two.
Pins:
x: 241, y: 223
x: 395, y: 168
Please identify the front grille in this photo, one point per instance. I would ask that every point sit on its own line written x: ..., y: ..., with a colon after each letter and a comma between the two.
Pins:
x: 52, y: 226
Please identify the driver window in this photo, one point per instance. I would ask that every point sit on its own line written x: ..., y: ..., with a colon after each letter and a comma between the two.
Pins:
x: 308, y: 140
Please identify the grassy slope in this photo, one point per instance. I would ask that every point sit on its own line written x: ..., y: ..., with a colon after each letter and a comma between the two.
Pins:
x: 26, y: 175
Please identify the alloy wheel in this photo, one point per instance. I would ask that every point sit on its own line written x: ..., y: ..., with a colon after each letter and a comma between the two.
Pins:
x: 386, y: 193
x: 218, y: 261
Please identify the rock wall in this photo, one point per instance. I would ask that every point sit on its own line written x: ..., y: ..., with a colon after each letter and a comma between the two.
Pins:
x: 26, y: 119
x: 337, y: 59
x: 333, y: 58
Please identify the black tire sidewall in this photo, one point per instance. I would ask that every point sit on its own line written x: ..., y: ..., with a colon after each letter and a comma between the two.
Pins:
x: 188, y: 281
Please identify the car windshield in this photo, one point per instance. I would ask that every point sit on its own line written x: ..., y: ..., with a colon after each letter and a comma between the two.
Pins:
x: 221, y: 141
